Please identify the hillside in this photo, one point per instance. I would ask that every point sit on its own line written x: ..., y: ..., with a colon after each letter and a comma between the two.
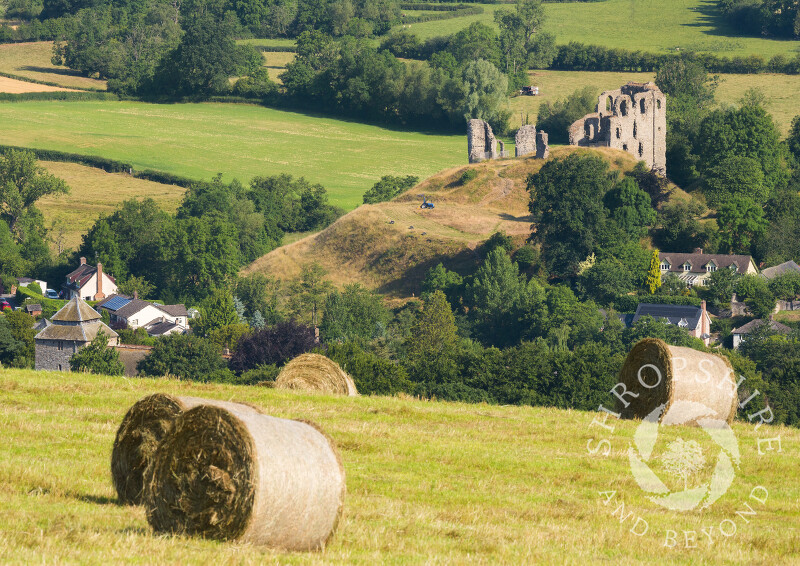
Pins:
x: 390, y: 246
x: 237, y: 140
x: 427, y: 482
x: 93, y: 193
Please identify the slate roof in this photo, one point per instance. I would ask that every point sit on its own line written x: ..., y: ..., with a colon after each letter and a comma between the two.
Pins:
x: 33, y: 308
x: 82, y: 274
x: 173, y: 310
x: 754, y: 324
x: 136, y: 305
x: 76, y: 310
x: 685, y: 316
x: 786, y: 267
x: 161, y: 328
x: 699, y: 261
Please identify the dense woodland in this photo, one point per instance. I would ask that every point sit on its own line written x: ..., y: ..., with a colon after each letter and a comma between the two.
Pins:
x: 533, y: 323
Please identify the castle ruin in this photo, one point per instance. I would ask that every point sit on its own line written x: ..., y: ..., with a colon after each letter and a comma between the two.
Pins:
x: 481, y: 143
x: 631, y: 118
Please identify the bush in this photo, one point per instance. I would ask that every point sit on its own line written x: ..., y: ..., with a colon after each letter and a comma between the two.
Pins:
x: 467, y: 176
x: 372, y: 374
x: 184, y: 356
x: 389, y: 187
x: 35, y: 288
x: 556, y: 118
x: 273, y: 345
x: 97, y: 357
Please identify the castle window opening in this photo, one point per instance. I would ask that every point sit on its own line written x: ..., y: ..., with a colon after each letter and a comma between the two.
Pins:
x: 642, y: 106
x: 635, y: 129
x: 623, y: 108
x: 641, y: 149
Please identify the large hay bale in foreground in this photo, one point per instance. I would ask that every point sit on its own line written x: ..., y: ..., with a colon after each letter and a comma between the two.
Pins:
x: 314, y: 372
x: 689, y: 386
x: 139, y: 434
x: 225, y: 474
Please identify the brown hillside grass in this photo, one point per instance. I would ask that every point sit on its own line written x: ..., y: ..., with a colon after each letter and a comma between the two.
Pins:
x: 32, y: 60
x: 390, y: 246
x: 13, y: 86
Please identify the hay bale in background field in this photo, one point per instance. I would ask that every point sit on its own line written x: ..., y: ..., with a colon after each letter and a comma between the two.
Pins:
x: 139, y: 434
x: 691, y: 385
x: 226, y: 474
x: 313, y: 372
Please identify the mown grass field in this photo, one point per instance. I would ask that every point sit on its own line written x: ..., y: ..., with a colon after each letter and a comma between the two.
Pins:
x: 93, y: 192
x: 242, y: 141
x: 427, y: 482
x: 32, y: 60
x: 647, y: 25
x: 781, y: 91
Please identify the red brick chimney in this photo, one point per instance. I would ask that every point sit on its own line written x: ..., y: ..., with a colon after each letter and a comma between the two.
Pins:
x: 698, y: 250
x: 100, y: 294
x: 83, y: 261
x: 136, y: 294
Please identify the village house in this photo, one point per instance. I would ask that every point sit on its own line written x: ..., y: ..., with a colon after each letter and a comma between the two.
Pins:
x: 693, y: 268
x: 782, y: 269
x: 133, y: 312
x: 695, y: 320
x: 89, y: 282
x: 74, y: 326
x: 741, y: 333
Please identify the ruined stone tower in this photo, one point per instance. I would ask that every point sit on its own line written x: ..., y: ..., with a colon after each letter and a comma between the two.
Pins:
x: 481, y: 143
x: 631, y: 118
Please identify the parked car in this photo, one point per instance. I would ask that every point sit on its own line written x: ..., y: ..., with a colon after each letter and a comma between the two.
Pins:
x: 51, y: 294
x: 529, y: 91
x: 5, y: 305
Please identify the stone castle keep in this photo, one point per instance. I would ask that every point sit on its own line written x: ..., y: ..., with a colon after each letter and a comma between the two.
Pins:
x: 631, y: 118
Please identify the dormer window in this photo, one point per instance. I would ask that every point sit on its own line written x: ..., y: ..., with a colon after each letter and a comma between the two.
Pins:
x: 665, y: 266
x: 687, y: 266
x: 683, y: 323
x: 711, y: 267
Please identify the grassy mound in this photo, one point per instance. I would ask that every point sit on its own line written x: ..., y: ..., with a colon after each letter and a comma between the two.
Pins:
x: 390, y: 246
x: 426, y: 482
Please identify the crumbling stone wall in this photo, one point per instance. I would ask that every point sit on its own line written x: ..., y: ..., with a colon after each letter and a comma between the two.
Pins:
x: 525, y: 141
x: 542, y: 147
x: 631, y: 118
x: 481, y: 143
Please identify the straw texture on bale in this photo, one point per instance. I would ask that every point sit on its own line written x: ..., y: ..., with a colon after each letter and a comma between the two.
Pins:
x: 693, y: 387
x: 314, y: 372
x: 230, y: 475
x: 139, y: 434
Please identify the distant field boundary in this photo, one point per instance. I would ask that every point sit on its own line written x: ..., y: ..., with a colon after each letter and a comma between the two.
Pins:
x: 58, y: 95
x: 107, y: 165
x: 46, y: 83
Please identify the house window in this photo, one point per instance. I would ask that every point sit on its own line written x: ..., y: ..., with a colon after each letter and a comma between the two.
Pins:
x: 710, y: 268
x: 687, y: 266
x: 60, y: 344
x: 664, y: 266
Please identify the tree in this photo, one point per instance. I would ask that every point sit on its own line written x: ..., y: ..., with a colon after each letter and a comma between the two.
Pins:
x: 740, y: 222
x: 556, y: 117
x: 567, y: 207
x: 136, y: 285
x: 483, y: 94
x: 654, y: 274
x: 756, y: 294
x: 501, y: 300
x: 389, y: 187
x: 259, y: 294
x: 475, y: 42
x: 97, y: 357
x: 216, y: 311
x: 520, y: 41
x: 440, y: 278
x: 307, y: 294
x: 184, y: 356
x: 735, y: 176
x: 605, y: 280
x: 793, y: 141
x: 434, y: 333
x: 680, y: 228
x: 631, y: 208
x: 272, y: 345
x: 722, y: 283
x: 22, y: 184
x: 686, y: 77
x: 353, y: 314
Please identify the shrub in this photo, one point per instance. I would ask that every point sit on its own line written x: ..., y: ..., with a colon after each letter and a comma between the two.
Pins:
x: 467, y: 176
x: 97, y: 357
x: 184, y: 356
x: 35, y: 288
x: 273, y: 345
x: 372, y: 374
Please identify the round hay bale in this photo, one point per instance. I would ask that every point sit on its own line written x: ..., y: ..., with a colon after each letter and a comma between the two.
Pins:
x: 139, y: 434
x: 691, y: 386
x: 314, y: 372
x: 225, y: 474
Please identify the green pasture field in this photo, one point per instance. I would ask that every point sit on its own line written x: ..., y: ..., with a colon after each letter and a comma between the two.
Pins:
x: 238, y: 140
x: 427, y: 482
x: 32, y: 61
x: 648, y: 25
x: 782, y: 92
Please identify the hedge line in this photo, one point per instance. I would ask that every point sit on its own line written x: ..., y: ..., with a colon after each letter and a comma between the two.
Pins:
x: 58, y: 95
x: 434, y: 7
x: 275, y: 48
x: 580, y: 57
x: 460, y: 11
x: 108, y: 165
